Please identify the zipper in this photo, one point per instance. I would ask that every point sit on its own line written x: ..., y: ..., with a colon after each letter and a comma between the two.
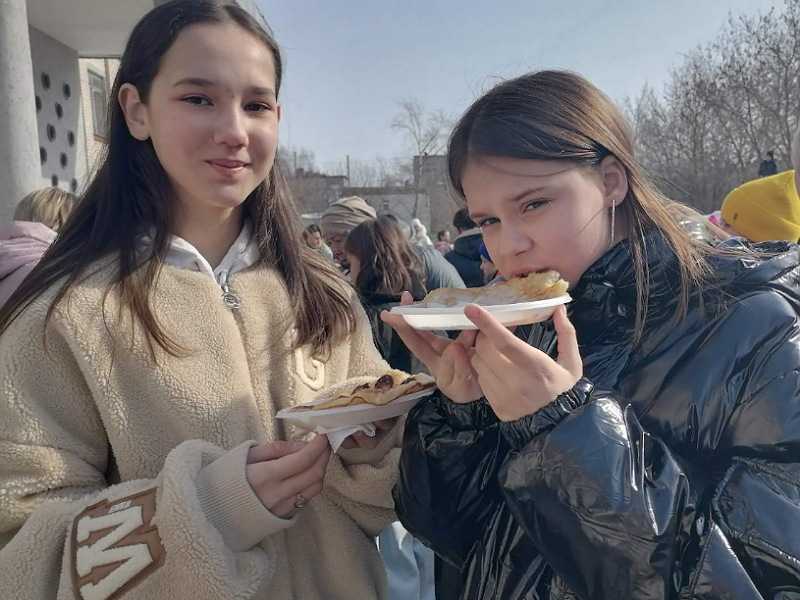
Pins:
x: 229, y: 299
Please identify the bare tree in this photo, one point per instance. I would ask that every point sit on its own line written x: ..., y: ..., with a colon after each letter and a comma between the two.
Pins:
x: 294, y: 160
x: 425, y: 131
x: 723, y: 107
x: 379, y: 172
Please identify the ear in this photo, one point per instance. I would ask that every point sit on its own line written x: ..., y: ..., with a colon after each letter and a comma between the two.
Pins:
x: 615, y: 180
x: 135, y: 111
x: 279, y: 111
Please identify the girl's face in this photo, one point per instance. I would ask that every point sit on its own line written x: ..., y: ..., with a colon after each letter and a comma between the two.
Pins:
x: 537, y: 215
x: 212, y: 116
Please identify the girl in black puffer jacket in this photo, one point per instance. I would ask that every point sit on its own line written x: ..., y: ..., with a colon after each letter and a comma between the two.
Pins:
x: 648, y: 444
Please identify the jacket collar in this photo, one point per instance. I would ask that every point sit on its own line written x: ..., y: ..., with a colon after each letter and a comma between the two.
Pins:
x: 606, y: 292
x: 242, y: 254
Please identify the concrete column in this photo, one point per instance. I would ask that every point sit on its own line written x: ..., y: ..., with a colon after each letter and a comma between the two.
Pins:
x: 20, y: 170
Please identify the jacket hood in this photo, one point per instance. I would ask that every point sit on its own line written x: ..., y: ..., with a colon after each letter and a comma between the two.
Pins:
x: 23, y: 243
x: 469, y: 246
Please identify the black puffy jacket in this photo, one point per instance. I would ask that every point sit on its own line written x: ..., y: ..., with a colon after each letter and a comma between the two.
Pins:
x: 671, y: 470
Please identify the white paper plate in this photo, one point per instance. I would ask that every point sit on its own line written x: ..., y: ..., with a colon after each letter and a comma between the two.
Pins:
x: 349, y: 416
x: 452, y: 317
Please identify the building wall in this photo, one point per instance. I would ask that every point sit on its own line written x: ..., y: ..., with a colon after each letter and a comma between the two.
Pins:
x: 398, y: 201
x: 94, y: 141
x: 58, y: 102
x: 313, y: 192
x: 443, y: 201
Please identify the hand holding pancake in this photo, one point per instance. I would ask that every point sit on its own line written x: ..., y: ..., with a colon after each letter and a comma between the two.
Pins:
x: 517, y: 379
x: 448, y: 360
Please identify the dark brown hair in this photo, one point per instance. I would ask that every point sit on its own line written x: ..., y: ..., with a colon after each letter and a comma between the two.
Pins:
x: 388, y: 263
x: 131, y: 194
x: 557, y: 115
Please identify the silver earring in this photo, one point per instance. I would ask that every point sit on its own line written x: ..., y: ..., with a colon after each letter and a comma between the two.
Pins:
x: 611, y: 241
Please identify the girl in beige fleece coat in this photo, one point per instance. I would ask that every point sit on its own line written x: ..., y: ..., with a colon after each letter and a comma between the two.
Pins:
x: 142, y: 362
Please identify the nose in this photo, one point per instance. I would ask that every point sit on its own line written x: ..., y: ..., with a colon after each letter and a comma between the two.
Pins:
x: 230, y: 128
x: 514, y: 240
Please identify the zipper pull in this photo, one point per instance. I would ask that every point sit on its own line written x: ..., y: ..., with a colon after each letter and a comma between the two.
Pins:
x: 229, y: 299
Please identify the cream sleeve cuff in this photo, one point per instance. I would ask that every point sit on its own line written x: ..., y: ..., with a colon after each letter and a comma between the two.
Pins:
x: 231, y: 504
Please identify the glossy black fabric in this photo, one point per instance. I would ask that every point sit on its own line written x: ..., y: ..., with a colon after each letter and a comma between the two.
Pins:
x: 671, y: 471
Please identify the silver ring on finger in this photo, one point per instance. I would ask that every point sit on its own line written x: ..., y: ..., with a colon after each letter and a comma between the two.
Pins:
x: 300, y: 501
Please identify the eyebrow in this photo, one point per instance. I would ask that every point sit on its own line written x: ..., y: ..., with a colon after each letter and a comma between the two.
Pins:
x: 513, y: 199
x: 207, y: 83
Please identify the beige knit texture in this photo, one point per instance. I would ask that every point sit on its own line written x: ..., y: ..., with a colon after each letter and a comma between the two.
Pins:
x: 91, y: 417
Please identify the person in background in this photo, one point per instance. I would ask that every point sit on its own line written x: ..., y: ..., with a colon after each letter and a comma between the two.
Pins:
x: 312, y: 235
x: 37, y: 219
x: 488, y: 268
x: 465, y: 255
x: 419, y: 233
x: 442, y: 243
x: 768, y: 166
x: 383, y: 265
x: 438, y: 272
x: 764, y: 209
x: 339, y: 219
x: 700, y: 227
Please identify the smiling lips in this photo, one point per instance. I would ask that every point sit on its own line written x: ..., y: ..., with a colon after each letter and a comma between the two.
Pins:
x: 226, y: 166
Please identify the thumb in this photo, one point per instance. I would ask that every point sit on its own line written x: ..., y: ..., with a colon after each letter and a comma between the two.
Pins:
x: 569, y: 355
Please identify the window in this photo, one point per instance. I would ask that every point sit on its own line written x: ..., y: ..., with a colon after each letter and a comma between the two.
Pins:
x: 97, y: 90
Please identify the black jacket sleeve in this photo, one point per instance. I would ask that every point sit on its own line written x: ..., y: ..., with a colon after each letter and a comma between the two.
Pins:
x: 448, y: 474
x: 612, y: 511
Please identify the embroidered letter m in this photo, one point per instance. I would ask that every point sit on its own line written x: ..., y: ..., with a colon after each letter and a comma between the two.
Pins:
x: 115, y: 546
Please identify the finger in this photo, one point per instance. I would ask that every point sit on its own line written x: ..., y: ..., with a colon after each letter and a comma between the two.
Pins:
x: 467, y: 338
x: 494, y: 390
x: 493, y: 369
x: 286, y: 508
x: 300, y: 461
x: 273, y: 450
x: 569, y: 355
x: 494, y: 360
x: 502, y: 340
x: 406, y: 298
x: 460, y: 370
x: 289, y: 488
x: 365, y: 441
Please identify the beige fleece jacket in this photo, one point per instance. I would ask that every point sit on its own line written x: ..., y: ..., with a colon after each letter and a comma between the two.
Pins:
x: 121, y: 478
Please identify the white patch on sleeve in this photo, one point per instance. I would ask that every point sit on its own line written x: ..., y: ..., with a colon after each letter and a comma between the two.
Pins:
x: 114, y: 546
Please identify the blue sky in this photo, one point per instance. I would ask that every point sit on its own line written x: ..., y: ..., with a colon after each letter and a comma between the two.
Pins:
x: 348, y: 63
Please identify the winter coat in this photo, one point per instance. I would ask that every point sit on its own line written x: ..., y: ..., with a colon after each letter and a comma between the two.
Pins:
x: 22, y: 244
x: 466, y: 258
x: 671, y: 470
x: 388, y: 343
x: 438, y: 272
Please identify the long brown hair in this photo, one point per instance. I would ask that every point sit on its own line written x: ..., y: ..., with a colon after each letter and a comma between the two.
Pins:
x: 388, y: 263
x: 558, y: 115
x: 130, y: 194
